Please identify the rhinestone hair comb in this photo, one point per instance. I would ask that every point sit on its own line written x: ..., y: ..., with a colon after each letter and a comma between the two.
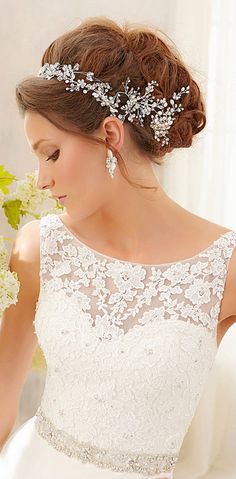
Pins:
x: 137, y: 106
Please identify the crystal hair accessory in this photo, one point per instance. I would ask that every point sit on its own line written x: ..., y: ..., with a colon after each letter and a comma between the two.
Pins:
x: 137, y: 106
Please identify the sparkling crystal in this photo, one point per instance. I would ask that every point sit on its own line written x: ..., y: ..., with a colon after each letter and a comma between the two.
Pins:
x: 115, y: 460
x: 137, y: 106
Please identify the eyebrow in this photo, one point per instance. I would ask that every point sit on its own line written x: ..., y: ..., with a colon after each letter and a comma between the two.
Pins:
x: 36, y: 145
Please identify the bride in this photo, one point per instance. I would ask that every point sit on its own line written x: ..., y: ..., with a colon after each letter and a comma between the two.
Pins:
x: 124, y: 290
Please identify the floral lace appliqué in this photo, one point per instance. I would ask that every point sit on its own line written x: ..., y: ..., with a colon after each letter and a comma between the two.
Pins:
x: 128, y: 347
x: 117, y: 295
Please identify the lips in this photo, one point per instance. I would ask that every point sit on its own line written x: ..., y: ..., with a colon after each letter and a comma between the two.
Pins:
x: 57, y: 197
x: 61, y: 199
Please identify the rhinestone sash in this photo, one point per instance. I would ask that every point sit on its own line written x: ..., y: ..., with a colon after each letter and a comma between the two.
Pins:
x: 105, y: 458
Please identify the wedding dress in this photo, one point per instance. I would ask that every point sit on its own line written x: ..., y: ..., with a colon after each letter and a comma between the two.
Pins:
x: 128, y: 348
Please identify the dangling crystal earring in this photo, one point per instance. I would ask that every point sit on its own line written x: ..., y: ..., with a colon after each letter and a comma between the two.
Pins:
x: 111, y: 162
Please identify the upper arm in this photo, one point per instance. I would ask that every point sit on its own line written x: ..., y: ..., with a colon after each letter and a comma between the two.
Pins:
x: 228, y: 307
x: 18, y: 340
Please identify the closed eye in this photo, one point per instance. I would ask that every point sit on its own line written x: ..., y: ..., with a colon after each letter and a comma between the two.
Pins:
x: 54, y: 156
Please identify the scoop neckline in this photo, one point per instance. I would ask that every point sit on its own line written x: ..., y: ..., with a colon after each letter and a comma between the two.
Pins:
x: 157, y: 265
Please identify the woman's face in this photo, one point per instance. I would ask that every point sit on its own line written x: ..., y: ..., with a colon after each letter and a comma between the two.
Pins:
x: 70, y: 165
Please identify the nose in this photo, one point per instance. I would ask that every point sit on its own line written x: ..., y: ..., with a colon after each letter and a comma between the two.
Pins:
x: 43, y: 184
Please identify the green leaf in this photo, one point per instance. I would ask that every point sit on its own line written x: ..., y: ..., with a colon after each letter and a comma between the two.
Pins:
x: 12, y: 210
x: 6, y: 179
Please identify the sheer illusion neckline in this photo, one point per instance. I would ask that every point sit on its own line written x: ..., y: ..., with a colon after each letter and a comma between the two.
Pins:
x: 156, y: 265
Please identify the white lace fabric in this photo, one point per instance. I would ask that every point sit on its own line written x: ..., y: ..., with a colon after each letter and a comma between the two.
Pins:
x: 128, y: 348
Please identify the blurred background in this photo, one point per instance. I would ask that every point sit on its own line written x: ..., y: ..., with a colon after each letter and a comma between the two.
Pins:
x: 202, y: 178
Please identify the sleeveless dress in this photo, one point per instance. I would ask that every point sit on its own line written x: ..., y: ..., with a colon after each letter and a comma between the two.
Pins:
x: 128, y: 348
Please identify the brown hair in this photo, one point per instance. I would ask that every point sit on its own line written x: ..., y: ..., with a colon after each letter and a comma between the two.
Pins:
x: 114, y: 52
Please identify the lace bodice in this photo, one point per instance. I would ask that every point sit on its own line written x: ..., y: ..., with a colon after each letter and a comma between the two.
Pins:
x: 128, y: 349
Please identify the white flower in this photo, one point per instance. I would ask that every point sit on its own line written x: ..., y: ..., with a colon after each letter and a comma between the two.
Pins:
x: 156, y: 314
x: 27, y: 192
x: 3, y: 255
x: 61, y: 268
x: 177, y: 273
x: 199, y: 292
x: 70, y: 249
x: 9, y: 289
x: 105, y: 329
x: 126, y: 277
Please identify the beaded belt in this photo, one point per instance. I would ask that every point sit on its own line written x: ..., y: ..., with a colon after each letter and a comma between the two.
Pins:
x: 110, y: 459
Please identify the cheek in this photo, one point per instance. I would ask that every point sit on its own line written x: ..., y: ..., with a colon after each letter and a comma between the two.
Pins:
x: 71, y: 170
x: 83, y: 170
x: 75, y: 174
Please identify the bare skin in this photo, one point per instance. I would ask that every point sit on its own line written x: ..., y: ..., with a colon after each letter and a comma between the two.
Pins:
x: 110, y: 215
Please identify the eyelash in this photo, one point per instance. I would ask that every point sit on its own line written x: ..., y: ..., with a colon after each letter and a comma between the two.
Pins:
x: 51, y: 157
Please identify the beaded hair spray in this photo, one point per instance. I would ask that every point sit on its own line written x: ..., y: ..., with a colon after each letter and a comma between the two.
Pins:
x: 137, y: 105
x: 162, y: 112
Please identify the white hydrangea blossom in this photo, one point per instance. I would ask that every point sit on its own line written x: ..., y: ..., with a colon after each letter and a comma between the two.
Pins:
x: 27, y: 192
x: 9, y: 289
x: 32, y: 199
x: 3, y: 254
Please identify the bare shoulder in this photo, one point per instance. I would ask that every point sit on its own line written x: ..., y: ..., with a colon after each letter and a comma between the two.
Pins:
x: 207, y: 229
x: 27, y: 237
x: 26, y: 243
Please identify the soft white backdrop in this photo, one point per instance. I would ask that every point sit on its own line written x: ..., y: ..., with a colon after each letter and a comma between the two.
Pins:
x: 201, y: 178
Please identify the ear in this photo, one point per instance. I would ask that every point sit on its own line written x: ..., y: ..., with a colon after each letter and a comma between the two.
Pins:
x: 113, y: 131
